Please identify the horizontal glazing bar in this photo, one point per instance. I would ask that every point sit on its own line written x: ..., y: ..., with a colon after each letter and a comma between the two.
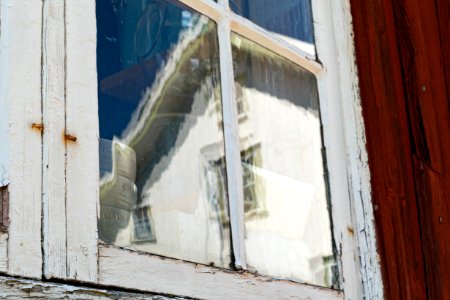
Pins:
x: 302, y: 54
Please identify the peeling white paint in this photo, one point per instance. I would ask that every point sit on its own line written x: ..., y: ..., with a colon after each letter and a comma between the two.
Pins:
x: 16, y: 288
x: 345, y: 138
x: 119, y: 267
x: 21, y: 165
x: 20, y: 147
x: 4, y: 144
x: 54, y: 150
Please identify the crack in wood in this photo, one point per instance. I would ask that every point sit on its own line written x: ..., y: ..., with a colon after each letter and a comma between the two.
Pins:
x: 18, y: 288
x: 4, y: 207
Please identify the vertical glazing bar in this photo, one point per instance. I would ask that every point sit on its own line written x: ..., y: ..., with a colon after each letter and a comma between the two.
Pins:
x: 232, y: 148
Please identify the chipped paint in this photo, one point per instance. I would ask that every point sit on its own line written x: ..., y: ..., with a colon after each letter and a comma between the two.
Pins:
x: 16, y: 288
x: 20, y: 145
x: 344, y: 136
x: 4, y: 143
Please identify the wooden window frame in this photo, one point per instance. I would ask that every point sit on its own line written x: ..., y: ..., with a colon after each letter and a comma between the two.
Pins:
x: 21, y: 135
x: 57, y: 141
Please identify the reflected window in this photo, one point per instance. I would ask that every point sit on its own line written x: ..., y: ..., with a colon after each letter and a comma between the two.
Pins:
x: 287, y: 222
x: 159, y: 85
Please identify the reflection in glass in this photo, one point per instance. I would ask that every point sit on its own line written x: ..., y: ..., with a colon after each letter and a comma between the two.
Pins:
x: 287, y: 222
x: 161, y: 141
x: 289, y: 18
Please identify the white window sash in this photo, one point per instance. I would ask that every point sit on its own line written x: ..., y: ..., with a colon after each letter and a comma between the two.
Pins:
x: 86, y: 261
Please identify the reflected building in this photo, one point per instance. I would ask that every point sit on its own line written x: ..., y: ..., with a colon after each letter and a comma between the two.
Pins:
x: 164, y: 182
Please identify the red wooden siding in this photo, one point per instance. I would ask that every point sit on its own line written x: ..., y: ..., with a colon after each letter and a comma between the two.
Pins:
x: 403, y: 57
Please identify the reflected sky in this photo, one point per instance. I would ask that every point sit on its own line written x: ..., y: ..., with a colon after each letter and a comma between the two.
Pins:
x: 290, y: 18
x: 161, y: 132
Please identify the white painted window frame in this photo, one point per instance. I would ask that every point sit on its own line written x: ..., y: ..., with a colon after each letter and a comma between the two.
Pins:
x: 21, y: 135
x: 56, y: 47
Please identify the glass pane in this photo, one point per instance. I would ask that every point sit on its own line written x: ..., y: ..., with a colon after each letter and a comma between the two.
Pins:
x: 287, y: 222
x: 161, y: 142
x: 291, y: 18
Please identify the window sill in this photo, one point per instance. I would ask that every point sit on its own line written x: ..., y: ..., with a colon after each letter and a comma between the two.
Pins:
x: 151, y: 273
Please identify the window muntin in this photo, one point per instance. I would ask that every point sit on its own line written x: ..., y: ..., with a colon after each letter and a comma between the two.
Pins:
x: 215, y: 170
x: 161, y: 132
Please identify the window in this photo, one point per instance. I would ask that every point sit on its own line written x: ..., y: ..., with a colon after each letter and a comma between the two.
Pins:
x: 159, y: 86
x: 192, y: 93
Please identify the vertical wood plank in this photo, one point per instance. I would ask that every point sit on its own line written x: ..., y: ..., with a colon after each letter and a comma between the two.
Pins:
x: 385, y: 51
x: 344, y: 139
x: 334, y: 142
x: 20, y: 94
x: 404, y: 72
x: 82, y: 171
x: 4, y: 163
x: 420, y: 33
x: 53, y: 97
x: 4, y: 145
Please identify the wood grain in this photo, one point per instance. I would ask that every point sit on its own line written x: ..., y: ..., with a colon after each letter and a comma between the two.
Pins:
x: 402, y: 52
x: 345, y: 144
x: 17, y: 288
x: 54, y: 150
x: 82, y: 168
x: 3, y: 252
x: 20, y: 92
x: 4, y: 209
x: 145, y: 272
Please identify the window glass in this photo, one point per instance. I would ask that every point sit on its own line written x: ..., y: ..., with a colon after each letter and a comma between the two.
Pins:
x: 162, y: 166
x: 289, y: 18
x: 287, y: 221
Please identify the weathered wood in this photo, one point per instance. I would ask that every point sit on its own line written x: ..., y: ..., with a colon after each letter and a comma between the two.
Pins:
x: 402, y: 58
x: 54, y: 151
x: 123, y: 268
x: 3, y: 252
x: 4, y: 209
x: 428, y: 106
x: 82, y: 169
x: 387, y: 133
x: 344, y: 140
x: 82, y: 161
x: 20, y: 94
x: 14, y: 288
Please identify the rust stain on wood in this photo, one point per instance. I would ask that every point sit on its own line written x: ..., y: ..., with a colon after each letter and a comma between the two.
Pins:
x: 350, y: 230
x: 37, y: 126
x: 70, y: 138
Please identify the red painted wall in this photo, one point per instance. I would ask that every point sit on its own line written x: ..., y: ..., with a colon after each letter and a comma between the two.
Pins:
x: 403, y: 58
